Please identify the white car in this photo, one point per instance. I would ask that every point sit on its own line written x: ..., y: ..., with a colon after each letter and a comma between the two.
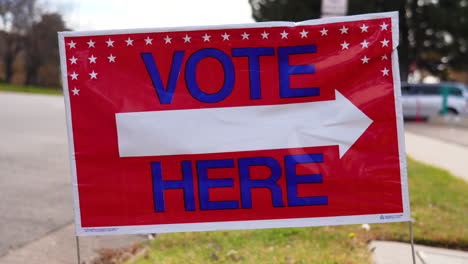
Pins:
x: 425, y: 100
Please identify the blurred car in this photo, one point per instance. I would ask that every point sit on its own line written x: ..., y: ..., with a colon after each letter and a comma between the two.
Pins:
x: 421, y: 100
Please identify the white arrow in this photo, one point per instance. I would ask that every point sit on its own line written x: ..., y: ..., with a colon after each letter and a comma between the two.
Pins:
x: 214, y: 130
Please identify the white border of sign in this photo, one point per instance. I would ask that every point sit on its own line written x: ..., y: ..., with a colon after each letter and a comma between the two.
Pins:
x: 235, y: 225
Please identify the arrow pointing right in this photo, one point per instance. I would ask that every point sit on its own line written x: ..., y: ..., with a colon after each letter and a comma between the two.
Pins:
x: 214, y: 130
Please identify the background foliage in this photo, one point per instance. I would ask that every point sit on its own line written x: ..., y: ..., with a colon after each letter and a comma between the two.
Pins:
x: 28, y: 43
x: 433, y: 33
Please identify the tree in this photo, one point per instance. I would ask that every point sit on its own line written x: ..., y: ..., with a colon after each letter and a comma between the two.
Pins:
x: 10, y: 46
x: 41, y: 49
x: 432, y: 32
x: 16, y: 17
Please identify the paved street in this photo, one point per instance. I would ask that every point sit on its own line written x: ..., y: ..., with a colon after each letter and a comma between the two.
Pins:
x: 451, y: 134
x: 36, y: 216
x: 36, y: 208
x: 35, y: 183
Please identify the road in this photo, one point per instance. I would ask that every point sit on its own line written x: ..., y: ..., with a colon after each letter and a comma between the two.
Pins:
x: 36, y: 215
x: 35, y: 183
x: 451, y: 134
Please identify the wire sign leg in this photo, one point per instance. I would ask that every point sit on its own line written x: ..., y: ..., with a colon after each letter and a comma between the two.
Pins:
x: 412, y: 241
x: 78, y: 249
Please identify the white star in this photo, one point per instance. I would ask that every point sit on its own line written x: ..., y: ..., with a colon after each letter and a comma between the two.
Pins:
x: 110, y: 43
x: 384, y: 72
x: 245, y: 35
x: 206, y: 37
x: 265, y: 35
x: 129, y: 42
x: 344, y: 45
x: 92, y: 59
x: 384, y: 57
x: 73, y: 60
x: 76, y: 91
x: 364, y: 28
x: 324, y: 32
x: 304, y: 33
x: 284, y: 34
x: 167, y: 39
x: 74, y: 76
x: 384, y: 43
x: 365, y: 60
x: 225, y: 36
x: 93, y: 75
x: 344, y: 30
x: 186, y: 38
x: 148, y: 41
x: 384, y: 26
x: 91, y: 43
x: 365, y: 44
x: 111, y: 58
x: 72, y: 44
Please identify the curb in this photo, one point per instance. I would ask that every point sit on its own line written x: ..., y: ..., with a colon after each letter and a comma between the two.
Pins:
x: 449, y: 120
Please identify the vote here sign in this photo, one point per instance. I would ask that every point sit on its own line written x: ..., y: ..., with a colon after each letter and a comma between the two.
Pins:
x: 235, y: 127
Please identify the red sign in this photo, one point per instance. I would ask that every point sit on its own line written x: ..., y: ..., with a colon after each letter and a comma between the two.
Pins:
x: 236, y: 127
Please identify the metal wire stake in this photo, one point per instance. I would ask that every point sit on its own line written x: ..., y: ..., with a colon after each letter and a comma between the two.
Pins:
x: 412, y: 240
x: 78, y: 249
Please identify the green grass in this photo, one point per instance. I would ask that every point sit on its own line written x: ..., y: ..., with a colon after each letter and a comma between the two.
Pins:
x: 291, y: 245
x: 29, y: 89
x: 439, y: 206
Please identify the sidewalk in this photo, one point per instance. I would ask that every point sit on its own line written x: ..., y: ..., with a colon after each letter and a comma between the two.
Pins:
x: 58, y: 247
x: 385, y: 252
x: 450, y: 157
x: 439, y: 153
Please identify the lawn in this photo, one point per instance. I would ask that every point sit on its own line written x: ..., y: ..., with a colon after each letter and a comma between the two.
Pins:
x: 439, y: 204
x: 29, y: 89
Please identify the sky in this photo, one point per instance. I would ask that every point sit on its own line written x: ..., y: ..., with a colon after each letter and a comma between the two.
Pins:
x: 122, y: 14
